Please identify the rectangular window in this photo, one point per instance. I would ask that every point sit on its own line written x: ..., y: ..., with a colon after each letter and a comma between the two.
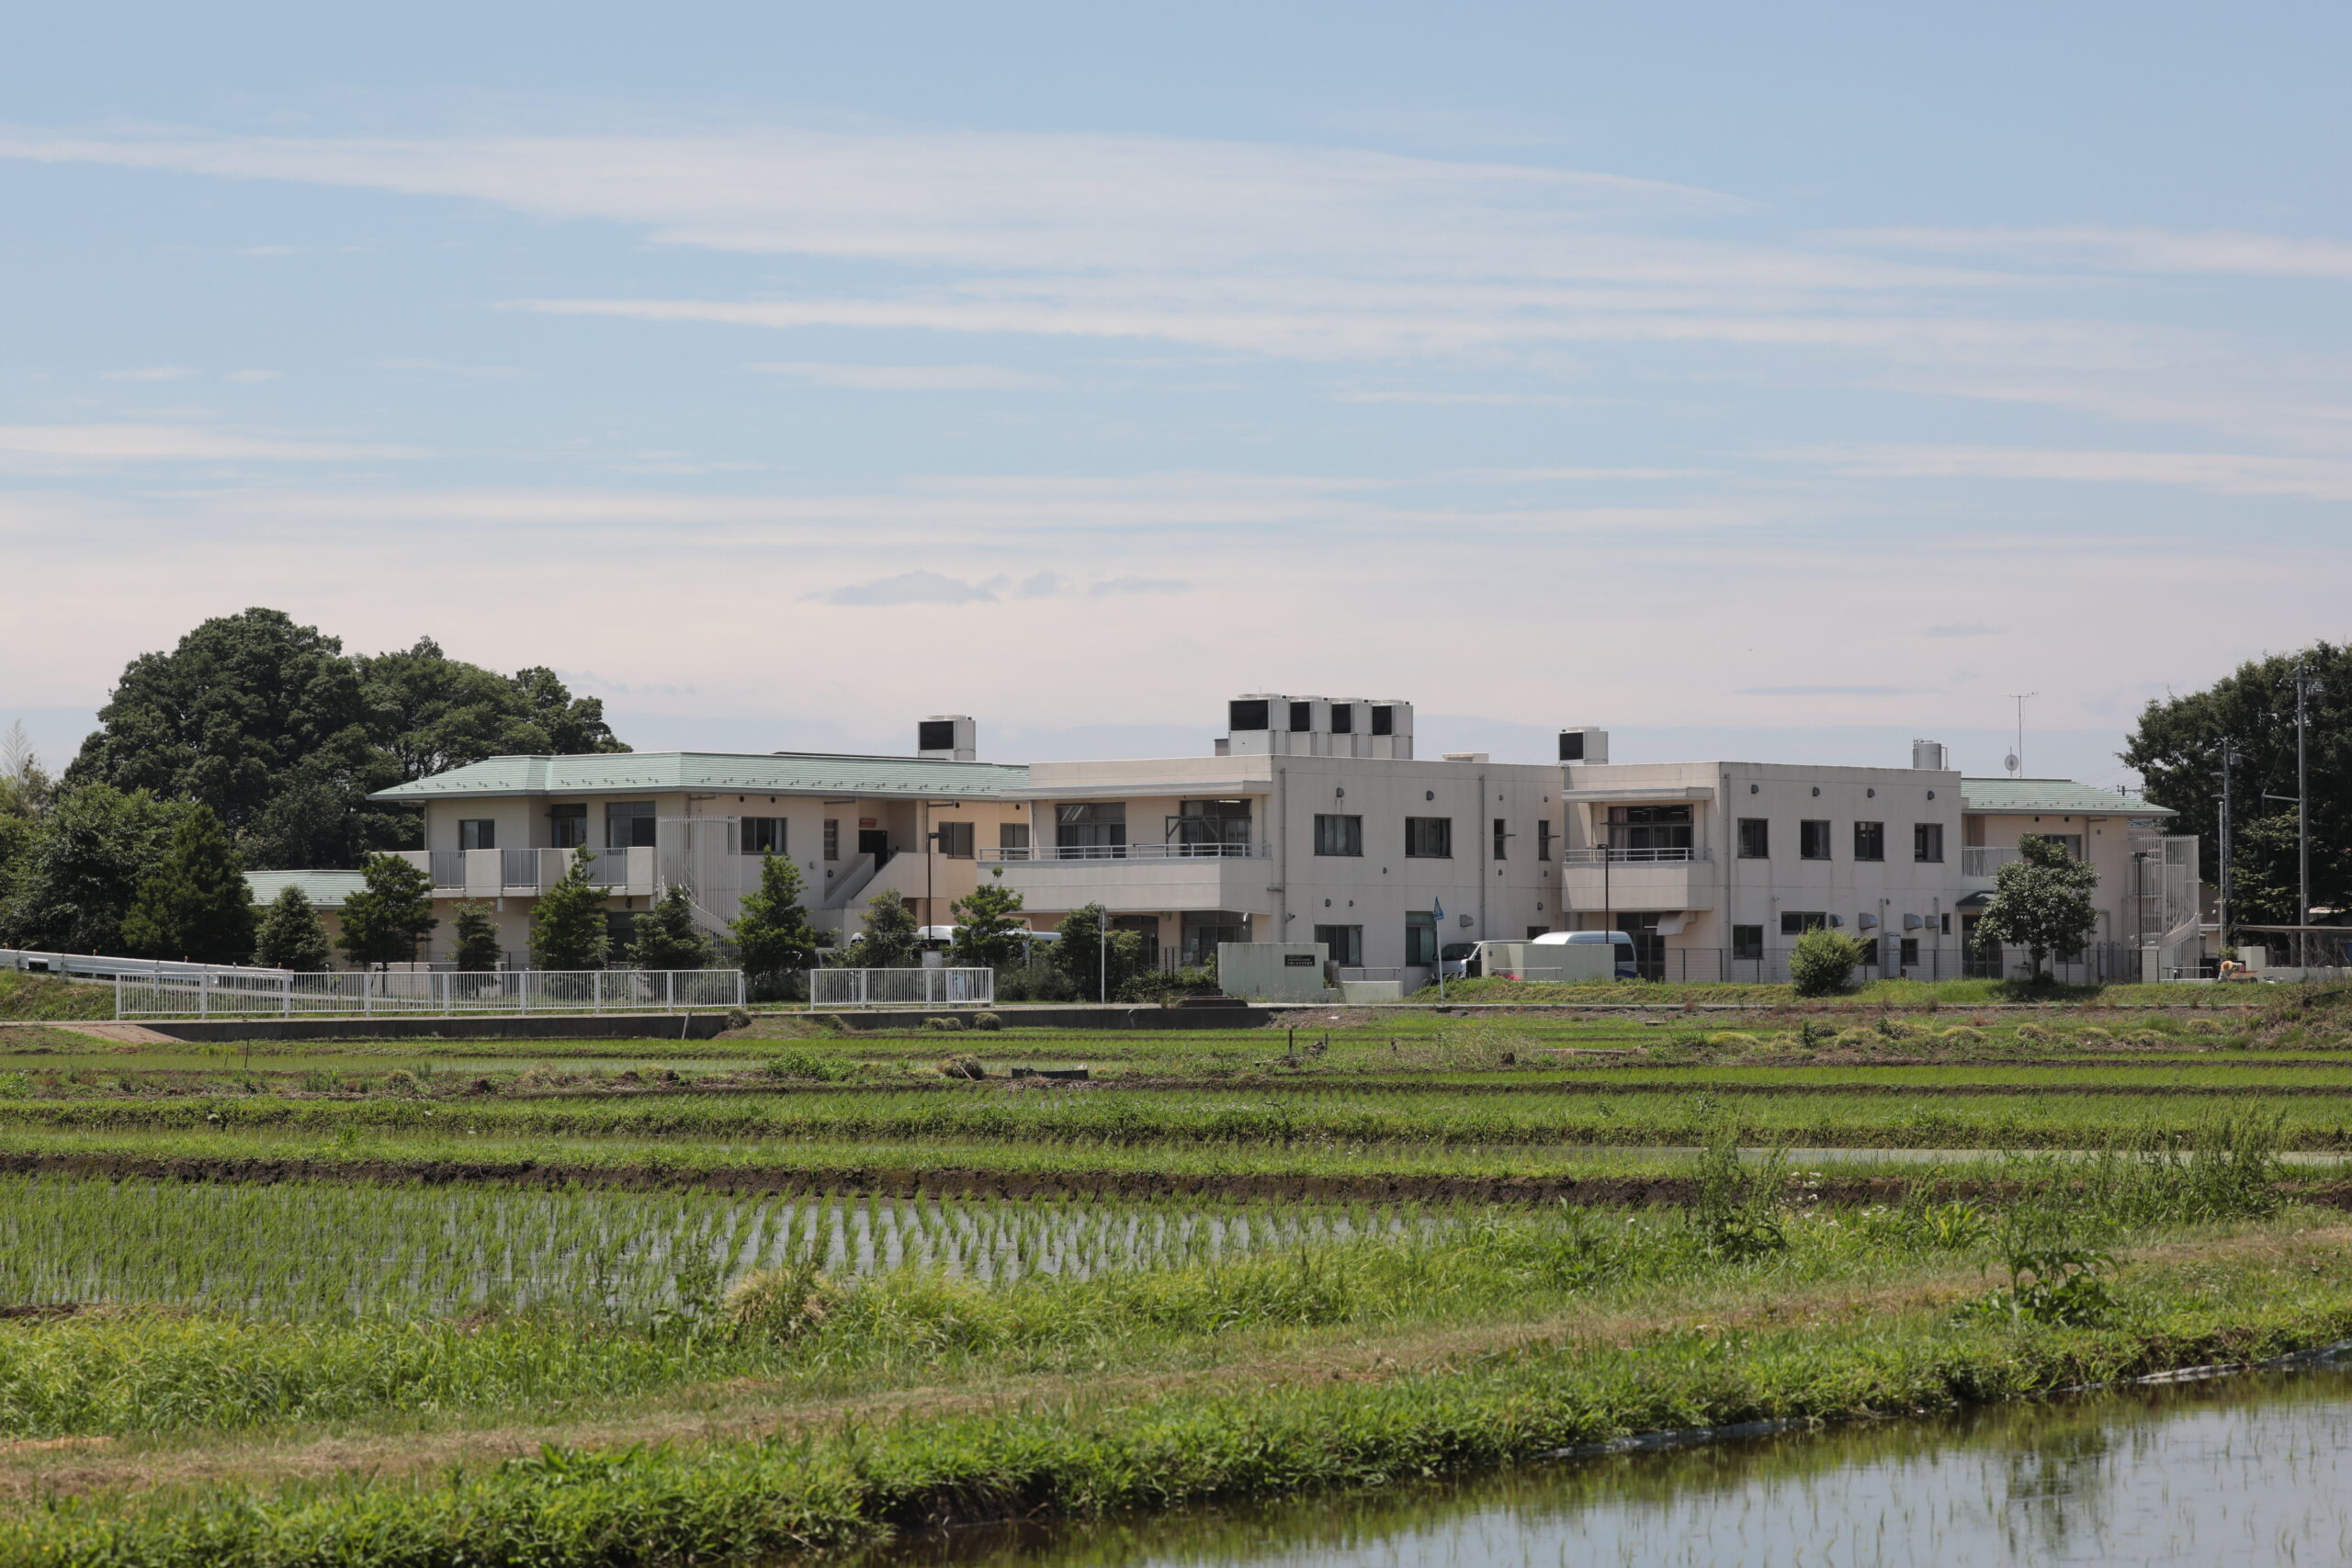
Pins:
x: 832, y: 838
x: 1747, y: 941
x: 621, y: 931
x: 1649, y: 828
x: 1943, y: 925
x: 1097, y: 830
x: 1910, y: 956
x: 1544, y: 839
x: 1870, y: 840
x: 1502, y: 838
x: 1013, y: 839
x: 1927, y: 841
x: 2071, y: 842
x: 1420, y: 937
x: 1345, y: 943
x: 1429, y: 838
x: 1796, y: 923
x: 566, y: 825
x: 1755, y: 839
x: 1338, y: 835
x: 1534, y: 931
x: 1813, y: 839
x: 477, y: 835
x: 628, y: 824
x: 1870, y: 952
x: 1209, y: 825
x: 955, y: 840
x: 762, y: 835
x: 1343, y: 718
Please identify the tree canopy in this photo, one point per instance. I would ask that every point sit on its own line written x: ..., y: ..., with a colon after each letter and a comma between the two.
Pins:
x: 283, y: 734
x: 567, y: 928
x: 666, y: 936
x: 772, y: 932
x: 74, y: 872
x: 2042, y: 902
x: 290, y: 935
x: 390, y: 915
x: 2178, y: 749
x: 1095, y: 965
x: 194, y: 902
x: 985, y: 927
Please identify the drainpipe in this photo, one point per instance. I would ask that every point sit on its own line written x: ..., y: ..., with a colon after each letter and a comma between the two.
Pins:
x: 1279, y: 830
x: 1731, y: 882
x: 1483, y: 933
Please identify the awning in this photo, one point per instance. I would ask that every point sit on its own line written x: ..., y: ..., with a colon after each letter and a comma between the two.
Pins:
x: 1974, y: 901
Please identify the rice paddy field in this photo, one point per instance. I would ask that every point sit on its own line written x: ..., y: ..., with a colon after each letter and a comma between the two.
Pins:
x: 803, y: 1290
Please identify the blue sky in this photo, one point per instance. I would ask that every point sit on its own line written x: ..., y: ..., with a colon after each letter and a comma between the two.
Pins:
x: 1773, y: 382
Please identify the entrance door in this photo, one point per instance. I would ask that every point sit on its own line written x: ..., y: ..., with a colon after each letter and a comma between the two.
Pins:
x: 875, y: 841
x: 1649, y: 947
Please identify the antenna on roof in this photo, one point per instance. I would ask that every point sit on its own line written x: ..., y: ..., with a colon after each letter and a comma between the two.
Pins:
x: 2015, y: 760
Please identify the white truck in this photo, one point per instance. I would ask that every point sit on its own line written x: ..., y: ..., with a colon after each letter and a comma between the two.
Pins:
x: 1562, y: 957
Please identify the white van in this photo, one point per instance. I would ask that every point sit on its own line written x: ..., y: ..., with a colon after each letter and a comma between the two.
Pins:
x: 1621, y: 943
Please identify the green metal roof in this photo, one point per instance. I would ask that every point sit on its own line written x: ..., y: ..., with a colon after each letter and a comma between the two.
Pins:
x: 2063, y: 795
x: 787, y: 773
x: 326, y: 889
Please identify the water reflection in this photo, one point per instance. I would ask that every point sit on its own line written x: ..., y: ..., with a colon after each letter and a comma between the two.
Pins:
x: 2243, y: 1473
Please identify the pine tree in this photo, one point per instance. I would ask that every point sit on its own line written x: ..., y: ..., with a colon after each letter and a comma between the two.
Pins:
x: 567, y: 928
x: 666, y: 937
x: 195, y: 903
x: 772, y: 934
x: 390, y: 915
x: 479, y: 949
x: 291, y: 936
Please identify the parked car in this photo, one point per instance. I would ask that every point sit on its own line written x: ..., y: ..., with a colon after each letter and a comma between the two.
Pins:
x: 1462, y: 960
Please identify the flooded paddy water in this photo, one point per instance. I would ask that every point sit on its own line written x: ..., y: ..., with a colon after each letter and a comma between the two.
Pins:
x: 2248, y: 1472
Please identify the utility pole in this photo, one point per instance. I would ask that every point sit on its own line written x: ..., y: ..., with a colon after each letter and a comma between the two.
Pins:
x: 2302, y: 820
x: 2017, y: 756
x: 2229, y: 755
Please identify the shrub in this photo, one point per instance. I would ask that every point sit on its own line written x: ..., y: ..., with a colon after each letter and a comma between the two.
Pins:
x: 987, y: 1023
x: 944, y: 1025
x: 800, y: 1065
x: 962, y: 1068
x: 1823, y: 962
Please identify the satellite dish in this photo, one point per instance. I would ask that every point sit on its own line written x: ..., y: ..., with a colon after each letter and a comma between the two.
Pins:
x: 2010, y: 761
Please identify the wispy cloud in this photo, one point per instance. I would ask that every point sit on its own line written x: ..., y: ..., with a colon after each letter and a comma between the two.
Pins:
x: 909, y: 377
x: 2221, y: 473
x: 1110, y: 587
x: 76, y: 448
x: 152, y: 373
x: 908, y: 588
x: 2130, y: 249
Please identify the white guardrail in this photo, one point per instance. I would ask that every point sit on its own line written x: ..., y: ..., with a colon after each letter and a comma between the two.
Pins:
x: 376, y: 993
x: 911, y: 987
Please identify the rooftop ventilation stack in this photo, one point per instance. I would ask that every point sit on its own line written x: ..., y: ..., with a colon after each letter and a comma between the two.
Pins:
x: 1271, y: 724
x: 1929, y: 754
x: 948, y: 738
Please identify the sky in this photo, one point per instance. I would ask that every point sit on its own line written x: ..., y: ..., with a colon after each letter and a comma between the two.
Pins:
x: 1772, y: 383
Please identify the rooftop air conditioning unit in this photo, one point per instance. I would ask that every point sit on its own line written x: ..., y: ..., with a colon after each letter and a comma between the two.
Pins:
x: 1272, y: 724
x: 1584, y: 744
x: 948, y: 738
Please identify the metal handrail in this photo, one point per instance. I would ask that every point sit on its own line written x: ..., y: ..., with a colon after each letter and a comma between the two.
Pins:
x: 1068, y: 853
x: 1679, y: 856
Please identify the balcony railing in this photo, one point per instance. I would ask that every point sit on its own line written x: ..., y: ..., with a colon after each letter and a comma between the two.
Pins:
x: 1985, y: 860
x: 1681, y: 856
x: 1066, y: 853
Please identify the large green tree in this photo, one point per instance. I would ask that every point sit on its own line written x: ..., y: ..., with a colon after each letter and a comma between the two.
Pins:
x: 477, y: 949
x: 568, y: 930
x: 193, y: 903
x: 772, y: 937
x: 390, y: 915
x: 283, y: 734
x: 985, y: 927
x: 889, y: 940
x: 76, y: 873
x: 2042, y: 902
x: 290, y: 935
x: 2178, y: 749
x: 1097, y: 967
x: 665, y: 936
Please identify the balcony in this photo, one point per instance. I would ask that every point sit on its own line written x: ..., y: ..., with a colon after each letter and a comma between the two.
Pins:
x: 1639, y: 879
x: 505, y: 874
x: 1983, y: 861
x: 1136, y: 878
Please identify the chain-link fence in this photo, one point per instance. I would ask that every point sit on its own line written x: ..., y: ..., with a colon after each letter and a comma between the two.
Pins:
x: 2108, y: 963
x: 261, y: 993
x: 911, y: 988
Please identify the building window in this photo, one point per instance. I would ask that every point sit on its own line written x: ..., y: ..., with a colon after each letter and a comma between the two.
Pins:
x: 1943, y: 925
x: 1012, y: 838
x: 1502, y: 838
x: 1747, y: 941
x: 477, y: 835
x: 1544, y: 839
x: 762, y: 835
x: 1927, y: 841
x: 1420, y: 937
x: 1910, y: 952
x: 1755, y: 839
x: 1813, y: 839
x: 1796, y: 923
x: 1649, y: 826
x: 628, y: 824
x: 1534, y: 931
x: 620, y: 935
x: 1097, y: 830
x: 1215, y: 823
x: 1870, y: 840
x: 2070, y: 843
x: 1429, y: 838
x: 955, y: 840
x: 1338, y: 835
x: 1345, y: 944
x: 567, y: 827
x: 832, y: 838
x: 1870, y: 953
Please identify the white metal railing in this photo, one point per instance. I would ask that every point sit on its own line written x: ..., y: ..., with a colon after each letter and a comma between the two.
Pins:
x: 924, y: 988
x: 1984, y: 859
x: 261, y: 993
x: 448, y: 867
x: 1682, y: 856
x: 1066, y: 853
x: 518, y: 868
x: 98, y: 967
